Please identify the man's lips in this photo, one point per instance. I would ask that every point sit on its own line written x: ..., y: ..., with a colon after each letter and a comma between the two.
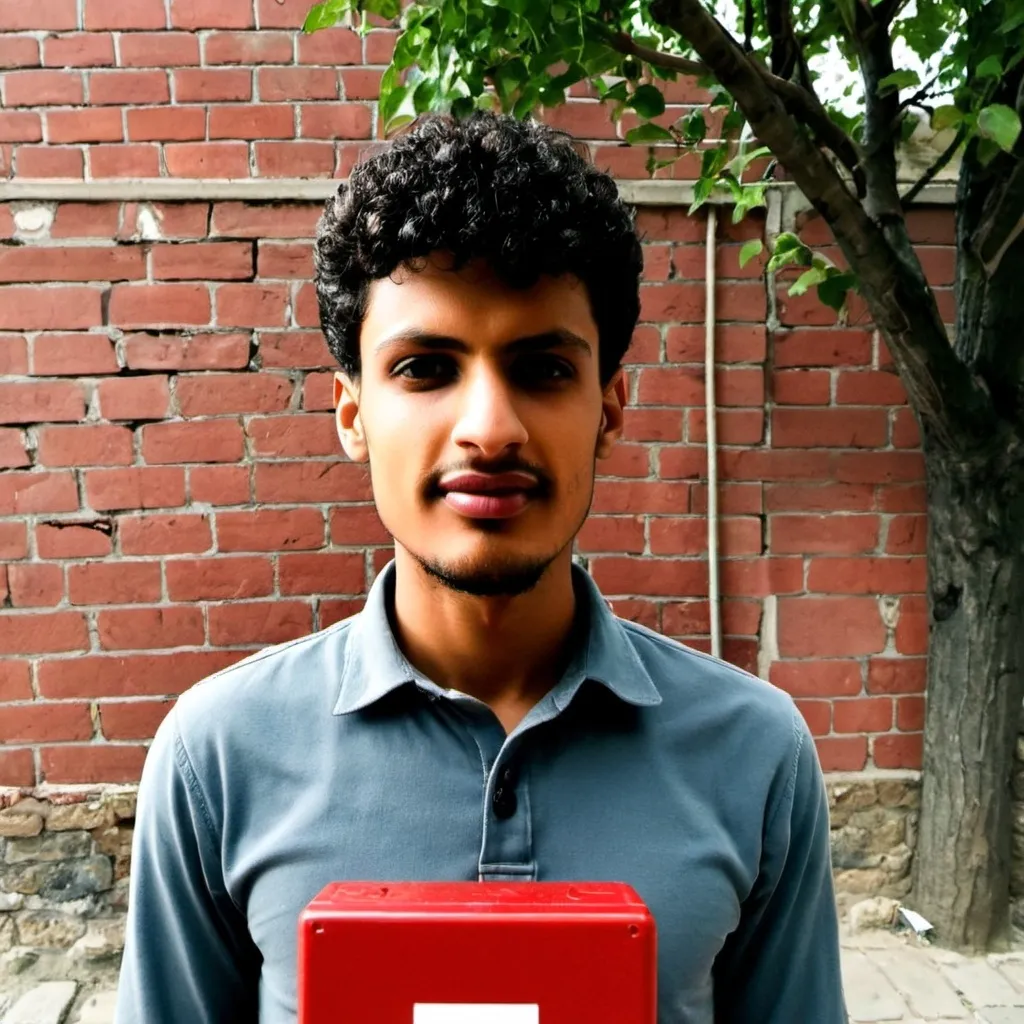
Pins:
x: 488, y: 495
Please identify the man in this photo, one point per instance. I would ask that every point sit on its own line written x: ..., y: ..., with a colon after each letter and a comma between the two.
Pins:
x: 486, y: 716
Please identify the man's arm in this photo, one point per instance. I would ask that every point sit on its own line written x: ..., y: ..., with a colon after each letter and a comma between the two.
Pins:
x: 188, y: 955
x: 781, y: 965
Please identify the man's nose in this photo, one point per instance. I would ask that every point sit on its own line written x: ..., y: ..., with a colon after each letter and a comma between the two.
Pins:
x: 488, y: 419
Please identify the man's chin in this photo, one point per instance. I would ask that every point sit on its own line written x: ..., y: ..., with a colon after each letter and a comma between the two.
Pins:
x: 486, y: 577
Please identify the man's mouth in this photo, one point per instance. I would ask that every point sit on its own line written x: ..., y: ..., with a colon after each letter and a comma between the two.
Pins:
x: 488, y: 495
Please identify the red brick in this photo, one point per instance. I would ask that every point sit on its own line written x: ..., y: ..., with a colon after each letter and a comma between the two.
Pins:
x: 879, y: 467
x: 897, y: 675
x: 612, y: 534
x: 908, y: 535
x: 35, y: 585
x: 85, y: 445
x: 829, y: 627
x: 20, y: 126
x: 164, y: 534
x: 931, y: 226
x: 823, y: 497
x: 801, y: 387
x: 132, y: 720
x: 842, y: 754
x: 159, y: 49
x: 666, y: 385
x: 16, y: 766
x: 124, y: 14
x: 333, y: 46
x: 905, y: 431
x: 898, y: 751
x: 15, y: 680
x: 18, y: 51
x: 131, y: 161
x: 294, y: 349
x: 114, y: 583
x: 212, y: 85
x: 321, y: 573
x: 318, y: 391
x: 252, y: 122
x: 296, y: 83
x: 817, y: 714
x: 80, y: 539
x: 217, y: 579
x: 134, y: 398
x: 86, y: 220
x: 808, y: 310
x: 903, y: 498
x: 293, y: 482
x: 13, y: 540
x: 174, y: 220
x: 751, y: 464
x: 265, y: 220
x: 196, y: 14
x: 216, y: 441
x: 259, y: 622
x: 157, y: 124
x: 357, y: 525
x: 865, y: 714
x: 13, y: 355
x: 210, y: 394
x: 912, y: 626
x: 192, y: 352
x: 78, y: 263
x: 869, y: 387
x: 305, y: 310
x: 829, y: 428
x: 248, y: 48
x: 361, y: 83
x: 817, y: 678
x: 207, y: 159
x: 270, y: 530
x: 635, y: 496
x: 142, y: 629
x: 335, y: 121
x: 50, y: 162
x: 39, y: 402
x: 84, y: 126
x: 118, y: 675
x: 625, y: 460
x: 658, y: 577
x: 135, y: 87
x: 653, y: 425
x: 137, y: 487
x: 24, y: 493
x: 202, y: 261
x: 867, y: 575
x: 685, y: 618
x: 295, y: 159
x: 40, y: 722
x: 12, y: 449
x: 828, y: 534
x: 849, y: 347
x: 219, y: 485
x: 43, y: 88
x: 42, y: 632
x: 105, y: 763
x: 281, y: 13
x: 734, y: 426
x: 335, y: 610
x: 910, y: 713
x: 155, y: 305
x: 252, y: 305
x: 679, y: 536
x: 53, y: 16
x: 682, y: 462
x: 33, y: 308
x: 644, y: 347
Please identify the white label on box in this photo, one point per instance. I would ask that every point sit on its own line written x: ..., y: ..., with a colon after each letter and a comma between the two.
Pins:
x: 476, y: 1013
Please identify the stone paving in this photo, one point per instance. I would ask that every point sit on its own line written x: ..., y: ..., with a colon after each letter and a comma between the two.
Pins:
x: 889, y: 979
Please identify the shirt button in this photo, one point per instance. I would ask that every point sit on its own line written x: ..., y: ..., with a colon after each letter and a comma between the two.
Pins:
x: 504, y: 802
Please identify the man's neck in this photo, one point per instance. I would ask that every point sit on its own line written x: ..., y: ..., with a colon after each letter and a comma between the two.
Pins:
x: 505, y: 651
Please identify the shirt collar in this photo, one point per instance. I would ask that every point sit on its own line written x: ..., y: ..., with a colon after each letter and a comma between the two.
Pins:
x: 375, y: 666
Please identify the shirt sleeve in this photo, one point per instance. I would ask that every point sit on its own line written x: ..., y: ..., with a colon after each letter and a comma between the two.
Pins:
x: 188, y: 955
x: 781, y: 964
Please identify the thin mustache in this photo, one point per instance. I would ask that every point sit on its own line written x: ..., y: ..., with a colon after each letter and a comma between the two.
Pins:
x: 543, y: 485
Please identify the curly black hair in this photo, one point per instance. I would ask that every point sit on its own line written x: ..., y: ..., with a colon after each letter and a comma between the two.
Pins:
x: 517, y: 194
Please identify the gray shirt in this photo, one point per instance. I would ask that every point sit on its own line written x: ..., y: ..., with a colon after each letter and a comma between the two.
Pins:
x: 331, y: 758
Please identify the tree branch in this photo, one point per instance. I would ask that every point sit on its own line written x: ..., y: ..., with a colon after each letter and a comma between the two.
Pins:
x: 886, y: 11
x: 627, y: 45
x: 936, y: 168
x: 881, y: 114
x: 748, y: 25
x: 950, y: 403
x: 1003, y: 222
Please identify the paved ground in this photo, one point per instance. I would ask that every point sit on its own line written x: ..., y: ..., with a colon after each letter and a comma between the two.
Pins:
x: 889, y: 978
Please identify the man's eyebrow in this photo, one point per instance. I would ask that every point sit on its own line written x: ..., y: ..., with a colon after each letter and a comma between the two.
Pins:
x: 559, y: 338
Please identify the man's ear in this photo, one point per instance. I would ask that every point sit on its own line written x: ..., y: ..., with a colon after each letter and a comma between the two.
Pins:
x: 613, y: 402
x: 347, y: 419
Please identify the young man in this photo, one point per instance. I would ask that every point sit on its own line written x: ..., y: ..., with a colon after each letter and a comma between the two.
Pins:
x: 486, y: 716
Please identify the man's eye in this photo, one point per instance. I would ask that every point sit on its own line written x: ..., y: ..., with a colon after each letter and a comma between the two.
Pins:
x: 541, y: 370
x: 425, y: 368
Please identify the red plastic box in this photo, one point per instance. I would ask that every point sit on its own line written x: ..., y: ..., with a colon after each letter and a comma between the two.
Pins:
x: 477, y: 953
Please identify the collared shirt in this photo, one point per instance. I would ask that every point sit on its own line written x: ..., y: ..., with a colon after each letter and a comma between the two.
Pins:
x: 331, y: 758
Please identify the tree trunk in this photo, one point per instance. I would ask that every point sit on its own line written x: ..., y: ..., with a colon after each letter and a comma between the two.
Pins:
x: 975, y: 689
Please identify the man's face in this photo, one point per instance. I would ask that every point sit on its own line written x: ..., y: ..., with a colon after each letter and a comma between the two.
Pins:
x: 480, y: 411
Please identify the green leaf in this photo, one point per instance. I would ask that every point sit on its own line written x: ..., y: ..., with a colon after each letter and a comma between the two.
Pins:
x: 750, y: 250
x: 807, y: 279
x: 1014, y: 21
x: 324, y: 15
x: 946, y: 117
x: 648, y: 133
x: 647, y: 101
x: 1001, y: 124
x: 694, y: 127
x: 833, y: 290
x: 786, y: 241
x: 799, y: 256
x: 702, y: 190
x: 898, y: 80
x: 990, y: 67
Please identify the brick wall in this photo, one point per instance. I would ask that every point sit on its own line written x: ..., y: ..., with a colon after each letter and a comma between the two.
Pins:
x: 174, y: 494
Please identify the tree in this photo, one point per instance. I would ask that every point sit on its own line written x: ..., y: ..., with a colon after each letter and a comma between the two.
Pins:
x: 765, y: 80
